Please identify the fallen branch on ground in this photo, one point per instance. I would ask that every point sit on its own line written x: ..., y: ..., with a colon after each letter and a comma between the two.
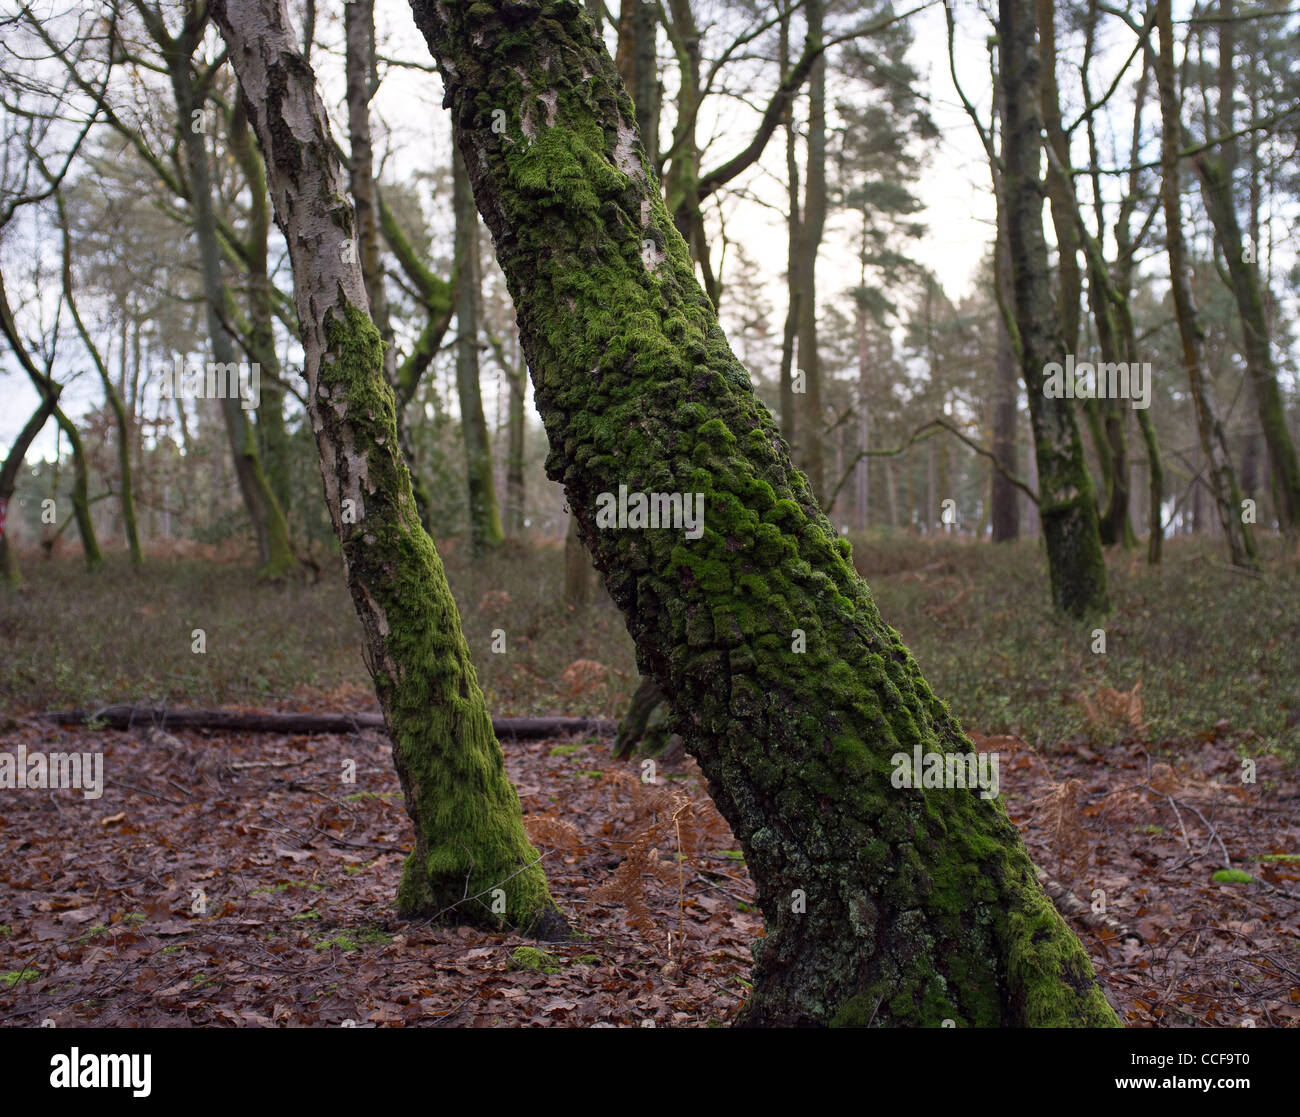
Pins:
x: 133, y: 717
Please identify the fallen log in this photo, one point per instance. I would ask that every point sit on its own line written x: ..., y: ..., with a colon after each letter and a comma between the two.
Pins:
x: 133, y: 717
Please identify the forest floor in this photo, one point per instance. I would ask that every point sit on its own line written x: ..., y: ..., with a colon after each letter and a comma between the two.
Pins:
x: 236, y: 879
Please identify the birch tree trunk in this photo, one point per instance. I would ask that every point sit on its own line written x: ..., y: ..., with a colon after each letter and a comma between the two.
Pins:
x: 1067, y: 506
x: 471, y: 862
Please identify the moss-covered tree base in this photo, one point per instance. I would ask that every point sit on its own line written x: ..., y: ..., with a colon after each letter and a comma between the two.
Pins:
x: 471, y: 861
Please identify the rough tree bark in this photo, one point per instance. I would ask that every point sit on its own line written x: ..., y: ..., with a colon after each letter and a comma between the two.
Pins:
x: 1067, y: 507
x: 472, y: 861
x: 883, y: 905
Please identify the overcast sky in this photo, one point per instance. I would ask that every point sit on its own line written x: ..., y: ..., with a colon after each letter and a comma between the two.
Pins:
x: 954, y: 187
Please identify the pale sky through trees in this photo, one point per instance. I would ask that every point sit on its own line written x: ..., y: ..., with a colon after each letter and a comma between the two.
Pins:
x: 413, y: 138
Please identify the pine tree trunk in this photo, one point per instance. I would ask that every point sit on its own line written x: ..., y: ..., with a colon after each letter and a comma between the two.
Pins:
x: 811, y: 452
x: 515, y: 452
x: 472, y: 861
x: 794, y: 236
x: 577, y: 569
x: 1067, y: 237
x: 1216, y: 189
x: 1067, y: 506
x: 484, y: 519
x: 883, y: 905
x: 1214, y: 444
x: 1005, y: 497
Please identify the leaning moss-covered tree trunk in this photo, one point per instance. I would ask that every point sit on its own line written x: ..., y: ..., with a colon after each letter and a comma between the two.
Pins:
x: 883, y: 905
x: 472, y: 861
x: 1067, y: 506
x: 1214, y: 444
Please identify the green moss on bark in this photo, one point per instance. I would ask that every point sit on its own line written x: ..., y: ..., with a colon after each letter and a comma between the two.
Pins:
x: 470, y: 839
x: 914, y: 902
